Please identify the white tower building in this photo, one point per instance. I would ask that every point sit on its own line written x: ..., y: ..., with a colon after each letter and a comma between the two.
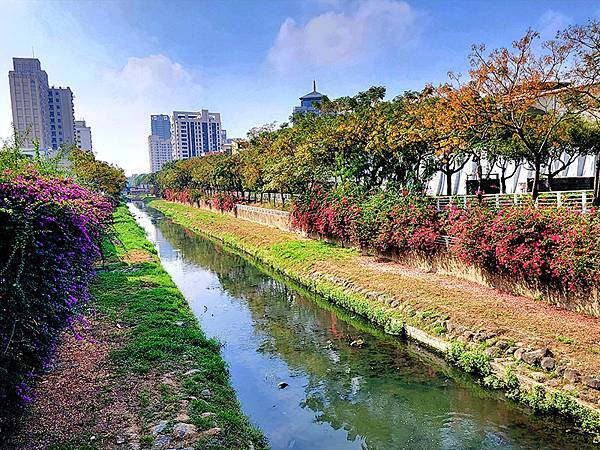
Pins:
x: 195, y: 133
x: 83, y: 135
x: 29, y: 100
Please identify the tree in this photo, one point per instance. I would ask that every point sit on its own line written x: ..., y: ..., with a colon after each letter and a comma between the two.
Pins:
x: 175, y: 175
x: 97, y: 175
x: 437, y: 124
x: 585, y: 72
x: 504, y: 153
x: 527, y: 94
x: 365, y: 140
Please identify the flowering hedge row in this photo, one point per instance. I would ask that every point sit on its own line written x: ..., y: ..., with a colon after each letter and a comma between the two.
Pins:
x: 560, y: 247
x: 50, y: 231
x: 552, y: 245
x: 223, y: 201
x: 173, y: 195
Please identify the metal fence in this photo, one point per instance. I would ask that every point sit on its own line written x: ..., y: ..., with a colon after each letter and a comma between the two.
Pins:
x: 580, y: 200
x: 259, y: 210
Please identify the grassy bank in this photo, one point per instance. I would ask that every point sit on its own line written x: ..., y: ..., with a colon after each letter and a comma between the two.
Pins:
x: 477, y: 327
x: 154, y: 379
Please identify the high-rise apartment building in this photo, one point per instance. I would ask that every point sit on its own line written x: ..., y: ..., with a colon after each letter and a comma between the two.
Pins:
x: 160, y: 125
x: 160, y: 152
x: 160, y: 149
x: 83, y: 135
x: 62, y: 117
x: 41, y: 114
x: 29, y: 101
x: 195, y: 133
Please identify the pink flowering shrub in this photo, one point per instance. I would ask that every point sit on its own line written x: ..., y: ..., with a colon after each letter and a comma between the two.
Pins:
x: 223, y: 201
x: 558, y: 247
x: 412, y: 225
x: 50, y: 233
x: 549, y: 245
x: 173, y: 195
x: 326, y: 214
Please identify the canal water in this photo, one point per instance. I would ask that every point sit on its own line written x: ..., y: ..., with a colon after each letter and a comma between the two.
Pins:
x: 385, y: 394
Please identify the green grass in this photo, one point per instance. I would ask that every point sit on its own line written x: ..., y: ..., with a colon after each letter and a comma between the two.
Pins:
x: 564, y: 339
x: 310, y: 251
x: 163, y: 337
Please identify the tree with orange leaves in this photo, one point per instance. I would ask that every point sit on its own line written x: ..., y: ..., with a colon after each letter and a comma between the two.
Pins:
x: 585, y: 72
x: 435, y: 120
x: 529, y: 95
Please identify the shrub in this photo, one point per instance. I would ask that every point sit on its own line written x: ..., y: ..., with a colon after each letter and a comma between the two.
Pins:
x: 386, y: 221
x: 173, y: 195
x: 326, y: 214
x: 223, y: 201
x: 555, y: 246
x: 552, y: 246
x: 50, y: 231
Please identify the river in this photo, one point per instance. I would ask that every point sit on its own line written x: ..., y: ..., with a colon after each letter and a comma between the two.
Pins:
x: 385, y: 394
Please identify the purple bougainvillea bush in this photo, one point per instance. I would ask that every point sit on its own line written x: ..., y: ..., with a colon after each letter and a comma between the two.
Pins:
x: 50, y: 232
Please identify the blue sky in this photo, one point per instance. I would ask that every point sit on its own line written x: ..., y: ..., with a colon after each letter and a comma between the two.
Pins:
x: 249, y: 60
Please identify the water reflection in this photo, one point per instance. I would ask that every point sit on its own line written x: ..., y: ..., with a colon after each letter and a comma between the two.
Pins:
x: 385, y: 395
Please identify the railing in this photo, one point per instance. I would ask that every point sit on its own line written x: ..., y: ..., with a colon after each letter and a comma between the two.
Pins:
x: 257, y: 209
x: 580, y: 200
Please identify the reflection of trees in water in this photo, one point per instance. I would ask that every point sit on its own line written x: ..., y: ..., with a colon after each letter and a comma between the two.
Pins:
x: 379, y: 393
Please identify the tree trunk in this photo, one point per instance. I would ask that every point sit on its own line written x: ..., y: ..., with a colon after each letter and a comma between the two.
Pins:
x: 535, y: 191
x: 502, y: 181
x: 479, y: 174
x: 550, y: 178
x: 448, y: 174
x: 596, y: 201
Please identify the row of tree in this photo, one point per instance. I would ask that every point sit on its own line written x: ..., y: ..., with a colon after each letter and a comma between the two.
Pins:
x: 533, y: 104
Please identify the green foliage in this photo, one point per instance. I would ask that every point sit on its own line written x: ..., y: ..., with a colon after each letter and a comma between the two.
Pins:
x: 473, y: 361
x: 493, y: 382
x: 96, y: 175
x: 547, y: 402
x: 13, y: 159
x: 564, y: 339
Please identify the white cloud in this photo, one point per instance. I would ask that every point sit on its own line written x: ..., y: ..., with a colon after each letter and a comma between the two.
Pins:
x: 343, y: 38
x: 119, y: 108
x: 551, y: 22
x: 154, y: 75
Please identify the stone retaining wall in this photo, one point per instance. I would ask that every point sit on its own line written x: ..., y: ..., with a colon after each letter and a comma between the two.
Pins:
x: 270, y: 217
